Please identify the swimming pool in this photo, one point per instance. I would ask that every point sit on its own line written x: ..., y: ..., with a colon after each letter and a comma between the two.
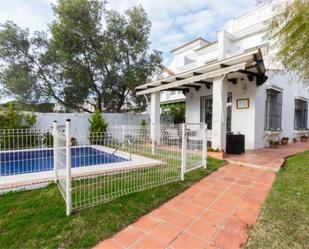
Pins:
x: 31, y: 161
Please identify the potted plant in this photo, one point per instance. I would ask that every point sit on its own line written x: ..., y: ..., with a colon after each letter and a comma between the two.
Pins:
x: 303, y: 138
x: 274, y: 144
x: 284, y: 141
x: 294, y: 140
x: 73, y: 141
x: 216, y: 153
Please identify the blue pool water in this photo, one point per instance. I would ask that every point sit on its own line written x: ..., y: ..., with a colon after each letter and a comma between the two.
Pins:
x: 30, y: 161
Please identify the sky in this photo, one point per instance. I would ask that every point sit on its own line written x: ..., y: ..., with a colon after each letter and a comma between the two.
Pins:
x: 174, y: 22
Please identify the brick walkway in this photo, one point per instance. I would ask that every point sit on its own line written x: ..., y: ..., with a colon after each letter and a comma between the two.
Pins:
x: 268, y: 158
x: 214, y: 213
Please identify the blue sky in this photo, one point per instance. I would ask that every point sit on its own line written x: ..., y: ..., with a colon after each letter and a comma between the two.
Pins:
x: 174, y: 22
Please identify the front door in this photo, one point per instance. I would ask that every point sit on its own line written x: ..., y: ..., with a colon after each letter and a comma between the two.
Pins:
x: 206, y: 111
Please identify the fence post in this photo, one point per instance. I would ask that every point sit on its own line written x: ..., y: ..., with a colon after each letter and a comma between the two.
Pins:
x: 153, y: 138
x: 68, y: 166
x: 55, y: 141
x: 204, y: 145
x: 183, y: 151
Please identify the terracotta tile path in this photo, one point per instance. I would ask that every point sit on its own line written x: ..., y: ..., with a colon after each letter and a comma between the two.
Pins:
x: 214, y: 213
x: 268, y: 158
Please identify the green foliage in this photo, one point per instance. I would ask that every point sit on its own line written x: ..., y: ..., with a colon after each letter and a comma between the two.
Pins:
x: 272, y: 142
x: 176, y: 111
x: 33, y: 107
x: 14, y: 119
x: 290, y: 30
x: 97, y: 128
x: 30, y: 219
x: 80, y: 61
x: 143, y: 129
x: 284, y: 220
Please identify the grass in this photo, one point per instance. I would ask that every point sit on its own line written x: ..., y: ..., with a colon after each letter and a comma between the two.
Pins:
x: 36, y: 218
x: 284, y: 221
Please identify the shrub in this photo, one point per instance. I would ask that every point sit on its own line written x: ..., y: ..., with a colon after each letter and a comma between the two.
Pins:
x: 97, y: 124
x: 143, y: 129
x: 272, y: 142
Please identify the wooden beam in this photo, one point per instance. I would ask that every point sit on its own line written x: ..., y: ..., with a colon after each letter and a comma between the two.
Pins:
x: 233, y: 80
x: 241, y: 58
x: 203, y: 82
x: 261, y: 79
x: 175, y: 89
x: 258, y: 62
x: 164, y: 82
x: 197, y: 88
x: 250, y: 77
x: 248, y: 72
x: 196, y: 73
x: 185, y: 91
x: 208, y: 75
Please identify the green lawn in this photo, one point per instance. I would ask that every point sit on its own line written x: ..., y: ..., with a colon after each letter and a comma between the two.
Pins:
x: 36, y: 219
x: 284, y: 221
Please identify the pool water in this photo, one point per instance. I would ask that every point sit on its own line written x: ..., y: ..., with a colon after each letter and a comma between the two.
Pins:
x: 30, y: 161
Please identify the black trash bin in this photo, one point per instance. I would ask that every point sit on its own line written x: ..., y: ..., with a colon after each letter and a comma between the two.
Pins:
x: 235, y: 143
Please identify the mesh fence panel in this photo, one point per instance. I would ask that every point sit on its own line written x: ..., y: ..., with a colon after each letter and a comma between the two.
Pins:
x: 134, y: 163
x: 25, y: 151
x: 60, y: 158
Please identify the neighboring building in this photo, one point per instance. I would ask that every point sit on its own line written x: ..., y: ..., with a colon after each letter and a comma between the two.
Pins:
x: 234, y: 84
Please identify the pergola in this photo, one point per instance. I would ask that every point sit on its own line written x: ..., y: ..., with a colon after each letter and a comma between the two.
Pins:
x: 218, y: 74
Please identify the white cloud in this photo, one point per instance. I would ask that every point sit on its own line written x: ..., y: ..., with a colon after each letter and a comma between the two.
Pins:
x: 173, y: 21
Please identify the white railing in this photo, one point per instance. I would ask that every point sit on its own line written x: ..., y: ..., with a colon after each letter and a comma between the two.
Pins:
x: 98, y: 167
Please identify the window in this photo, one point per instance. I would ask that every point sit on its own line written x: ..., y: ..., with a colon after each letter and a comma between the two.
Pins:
x: 273, y: 110
x: 206, y: 111
x: 301, y: 114
x: 229, y: 112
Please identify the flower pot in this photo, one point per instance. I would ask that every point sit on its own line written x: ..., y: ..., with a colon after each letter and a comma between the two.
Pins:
x: 274, y: 146
x: 284, y: 141
x: 303, y: 139
x: 216, y: 154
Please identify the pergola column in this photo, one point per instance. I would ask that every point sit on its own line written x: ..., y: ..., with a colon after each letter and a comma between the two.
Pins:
x: 219, y: 112
x: 155, y: 115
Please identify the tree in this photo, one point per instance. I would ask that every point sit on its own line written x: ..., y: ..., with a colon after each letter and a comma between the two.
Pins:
x: 94, y: 56
x: 12, y: 118
x: 290, y: 30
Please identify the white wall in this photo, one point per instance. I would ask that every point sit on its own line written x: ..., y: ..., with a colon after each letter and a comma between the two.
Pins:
x: 292, y: 87
x: 80, y: 123
x: 243, y: 120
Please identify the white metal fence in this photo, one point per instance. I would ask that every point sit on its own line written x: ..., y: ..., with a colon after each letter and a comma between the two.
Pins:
x: 25, y: 151
x: 63, y: 161
x: 98, y: 167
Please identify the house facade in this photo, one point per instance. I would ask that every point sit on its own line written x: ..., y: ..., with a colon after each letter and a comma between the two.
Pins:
x: 234, y: 84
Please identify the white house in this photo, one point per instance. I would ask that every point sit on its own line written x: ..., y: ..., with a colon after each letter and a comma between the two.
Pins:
x: 234, y: 84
